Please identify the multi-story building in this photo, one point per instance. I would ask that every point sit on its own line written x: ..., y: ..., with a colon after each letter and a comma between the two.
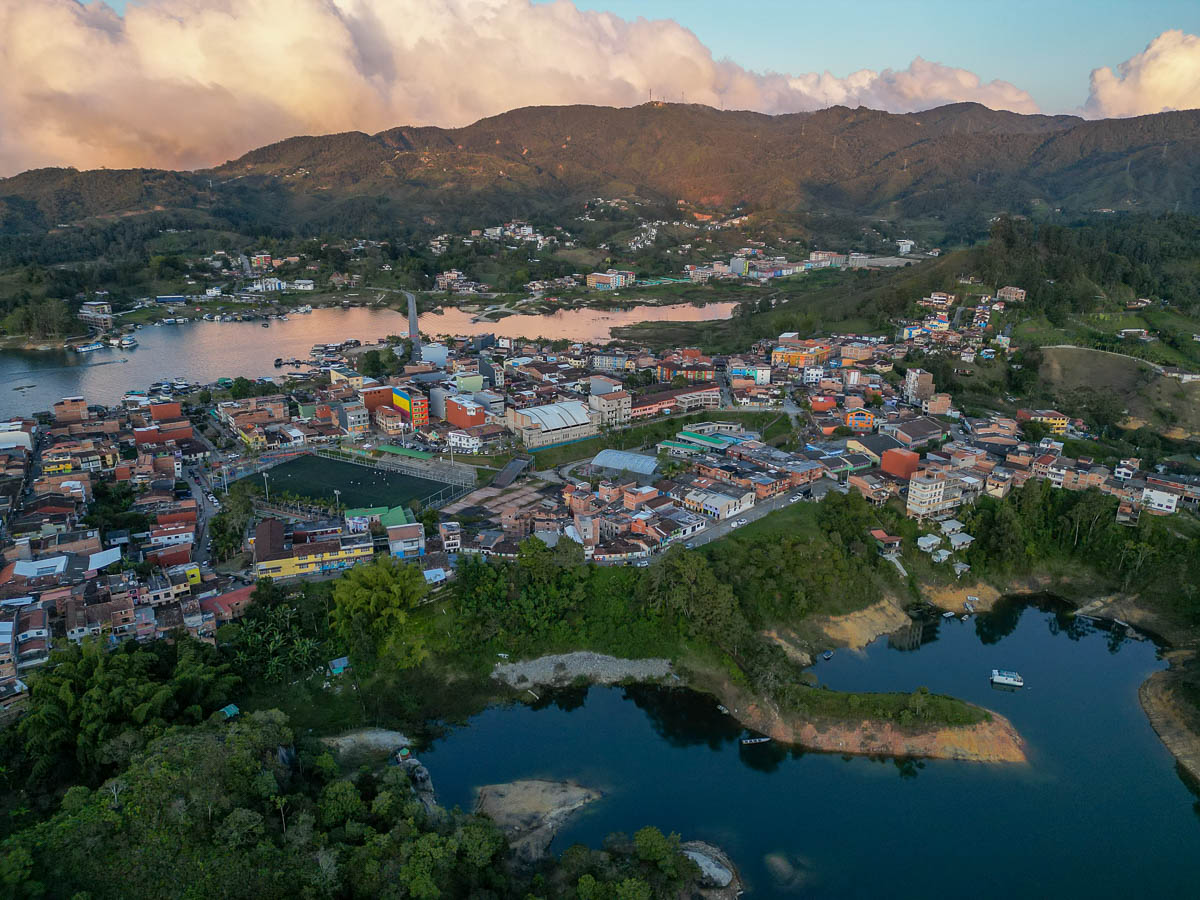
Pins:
x: 613, y: 408
x: 611, y: 280
x: 354, y: 418
x: 1052, y: 419
x: 918, y: 385
x: 96, y: 314
x: 934, y: 493
x: 412, y: 405
x: 1010, y: 294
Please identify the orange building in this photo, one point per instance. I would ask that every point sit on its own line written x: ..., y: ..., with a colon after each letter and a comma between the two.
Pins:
x: 901, y: 463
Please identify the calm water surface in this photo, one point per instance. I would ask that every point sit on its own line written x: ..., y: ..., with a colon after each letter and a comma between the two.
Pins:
x: 1099, y: 810
x: 594, y: 325
x: 205, y: 351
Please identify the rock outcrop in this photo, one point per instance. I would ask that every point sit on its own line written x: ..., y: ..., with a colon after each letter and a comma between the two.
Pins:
x: 531, y: 812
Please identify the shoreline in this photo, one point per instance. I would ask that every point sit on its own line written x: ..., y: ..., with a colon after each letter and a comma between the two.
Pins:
x: 994, y: 740
x: 1175, y: 723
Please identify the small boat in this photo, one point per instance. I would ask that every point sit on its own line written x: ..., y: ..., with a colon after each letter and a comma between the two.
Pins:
x: 724, y: 710
x: 828, y: 654
x: 947, y: 615
x: 966, y: 616
x: 266, y: 324
x: 89, y: 348
x: 1006, y: 678
x: 129, y: 341
x: 756, y: 740
x: 278, y: 361
x: 968, y: 605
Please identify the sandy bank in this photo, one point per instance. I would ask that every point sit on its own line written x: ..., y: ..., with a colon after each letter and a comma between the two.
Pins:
x: 531, y: 812
x: 952, y: 596
x: 995, y: 741
x: 857, y: 629
x: 563, y: 668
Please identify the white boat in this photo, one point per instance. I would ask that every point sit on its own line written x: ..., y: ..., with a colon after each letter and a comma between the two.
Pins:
x: 129, y: 341
x: 966, y: 616
x: 947, y: 615
x: 756, y: 740
x: 1007, y: 678
x: 89, y: 348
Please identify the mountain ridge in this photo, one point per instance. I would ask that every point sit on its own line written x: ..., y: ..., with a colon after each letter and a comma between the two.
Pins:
x: 857, y: 160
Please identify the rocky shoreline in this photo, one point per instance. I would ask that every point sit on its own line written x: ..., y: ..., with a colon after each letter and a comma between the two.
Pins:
x: 991, y: 741
x: 559, y: 670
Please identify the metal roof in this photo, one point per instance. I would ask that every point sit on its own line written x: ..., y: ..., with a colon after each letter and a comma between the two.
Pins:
x: 553, y: 416
x: 624, y: 461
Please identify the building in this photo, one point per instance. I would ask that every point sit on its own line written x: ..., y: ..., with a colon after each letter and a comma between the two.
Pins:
x: 611, y: 280
x: 808, y: 353
x: 918, y: 385
x: 406, y: 536
x: 613, y: 407
x: 1052, y: 419
x: 685, y: 399
x: 96, y: 314
x: 934, y: 493
x: 71, y: 409
x: 899, y: 462
x: 354, y: 418
x: 463, y: 412
x: 1010, y: 294
x: 412, y: 405
x: 553, y: 423
x: 345, y: 375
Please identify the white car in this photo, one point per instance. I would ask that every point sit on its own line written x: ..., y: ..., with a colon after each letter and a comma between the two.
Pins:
x: 793, y: 498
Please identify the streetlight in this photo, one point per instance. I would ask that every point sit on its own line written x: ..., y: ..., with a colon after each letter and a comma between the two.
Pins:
x: 337, y: 503
x: 266, y: 487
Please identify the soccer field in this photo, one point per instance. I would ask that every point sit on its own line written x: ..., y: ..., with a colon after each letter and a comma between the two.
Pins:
x: 312, y: 476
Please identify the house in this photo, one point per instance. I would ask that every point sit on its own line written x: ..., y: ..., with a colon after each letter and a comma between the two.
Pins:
x: 886, y: 544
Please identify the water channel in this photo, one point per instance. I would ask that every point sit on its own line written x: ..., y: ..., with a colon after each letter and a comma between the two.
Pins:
x: 1098, y: 811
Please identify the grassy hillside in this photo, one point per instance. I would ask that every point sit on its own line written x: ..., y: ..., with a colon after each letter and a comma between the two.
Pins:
x: 1148, y: 398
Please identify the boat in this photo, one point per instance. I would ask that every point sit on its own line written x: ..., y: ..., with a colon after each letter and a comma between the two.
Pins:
x: 266, y: 324
x: 966, y: 616
x: 114, y: 342
x: 756, y: 740
x: 129, y: 341
x: 89, y: 348
x: 1007, y: 678
x: 947, y: 615
x: 721, y: 708
x: 278, y: 361
x: 828, y: 654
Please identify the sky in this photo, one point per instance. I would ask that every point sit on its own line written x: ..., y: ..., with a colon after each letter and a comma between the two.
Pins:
x: 192, y: 83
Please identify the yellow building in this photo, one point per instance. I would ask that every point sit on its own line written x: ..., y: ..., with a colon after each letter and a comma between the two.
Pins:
x: 810, y: 354
x: 341, y: 374
x: 318, y: 557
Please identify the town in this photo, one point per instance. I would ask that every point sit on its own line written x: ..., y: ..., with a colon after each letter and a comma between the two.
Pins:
x: 111, y: 513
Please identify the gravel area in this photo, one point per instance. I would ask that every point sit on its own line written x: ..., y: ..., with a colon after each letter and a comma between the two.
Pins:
x: 564, y: 668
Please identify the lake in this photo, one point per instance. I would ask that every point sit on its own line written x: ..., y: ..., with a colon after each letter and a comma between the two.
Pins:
x: 1098, y: 811
x: 33, y: 380
x: 592, y: 325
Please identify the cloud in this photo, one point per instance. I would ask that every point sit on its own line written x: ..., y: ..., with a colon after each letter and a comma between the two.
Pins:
x: 1164, y: 76
x: 188, y: 83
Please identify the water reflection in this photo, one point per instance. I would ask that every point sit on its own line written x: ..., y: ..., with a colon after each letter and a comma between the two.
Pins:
x: 593, y: 325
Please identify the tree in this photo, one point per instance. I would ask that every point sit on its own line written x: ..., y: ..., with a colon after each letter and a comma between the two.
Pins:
x: 371, y: 606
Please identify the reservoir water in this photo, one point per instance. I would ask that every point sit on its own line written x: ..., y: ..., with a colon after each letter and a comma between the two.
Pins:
x: 32, y: 380
x: 1098, y: 811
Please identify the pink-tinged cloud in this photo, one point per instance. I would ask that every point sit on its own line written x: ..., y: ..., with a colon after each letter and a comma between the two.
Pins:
x: 188, y: 83
x: 1164, y: 76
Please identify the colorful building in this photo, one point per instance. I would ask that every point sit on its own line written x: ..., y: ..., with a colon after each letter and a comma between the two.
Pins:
x: 412, y: 405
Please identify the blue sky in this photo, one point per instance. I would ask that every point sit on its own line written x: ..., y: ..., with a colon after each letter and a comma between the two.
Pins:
x: 1047, y: 47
